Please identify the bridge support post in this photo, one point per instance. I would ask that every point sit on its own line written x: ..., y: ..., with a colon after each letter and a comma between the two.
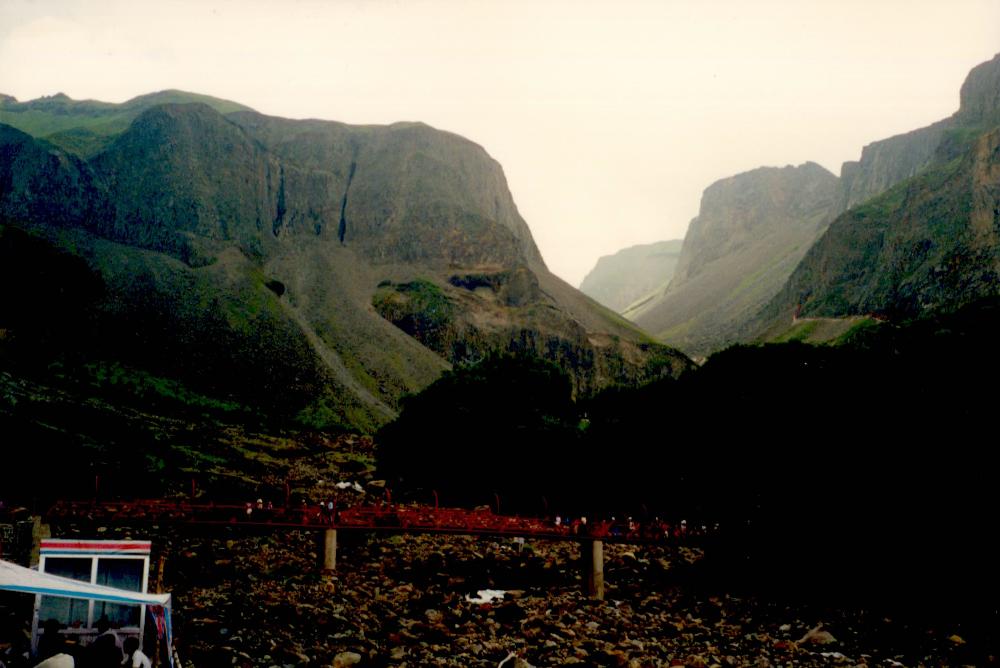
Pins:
x: 329, y: 551
x: 592, y: 552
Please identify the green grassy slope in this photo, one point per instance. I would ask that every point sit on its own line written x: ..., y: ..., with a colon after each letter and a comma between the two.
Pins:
x: 240, y: 254
x: 86, y: 127
x: 929, y: 244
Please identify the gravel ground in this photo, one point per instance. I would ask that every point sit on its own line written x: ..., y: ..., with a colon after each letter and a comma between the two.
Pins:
x: 248, y: 600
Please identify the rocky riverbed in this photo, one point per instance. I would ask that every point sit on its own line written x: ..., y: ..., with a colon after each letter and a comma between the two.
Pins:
x: 249, y: 600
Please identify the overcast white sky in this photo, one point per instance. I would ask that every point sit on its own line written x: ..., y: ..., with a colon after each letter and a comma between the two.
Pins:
x: 609, y: 118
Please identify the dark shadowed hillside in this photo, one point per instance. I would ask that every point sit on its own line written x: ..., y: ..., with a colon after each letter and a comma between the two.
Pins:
x: 851, y: 475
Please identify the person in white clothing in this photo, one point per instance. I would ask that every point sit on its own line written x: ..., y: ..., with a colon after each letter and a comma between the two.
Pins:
x: 134, y: 658
x: 58, y: 661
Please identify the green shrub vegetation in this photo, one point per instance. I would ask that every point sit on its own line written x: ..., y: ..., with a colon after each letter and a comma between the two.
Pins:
x: 470, y: 432
x: 804, y: 452
x: 153, y: 389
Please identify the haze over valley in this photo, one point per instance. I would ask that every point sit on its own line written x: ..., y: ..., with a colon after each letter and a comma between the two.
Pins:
x: 288, y: 315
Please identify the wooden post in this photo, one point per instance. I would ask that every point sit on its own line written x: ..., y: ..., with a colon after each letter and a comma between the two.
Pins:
x: 592, y: 553
x: 329, y: 551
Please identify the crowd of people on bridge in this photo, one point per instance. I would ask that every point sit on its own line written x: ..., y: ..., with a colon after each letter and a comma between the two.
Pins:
x: 384, y: 514
x: 631, y: 528
x: 417, y: 517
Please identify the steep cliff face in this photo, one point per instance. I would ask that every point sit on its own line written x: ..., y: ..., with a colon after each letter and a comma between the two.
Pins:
x: 927, y: 244
x: 736, y: 211
x: 405, y: 192
x: 980, y: 94
x: 184, y: 172
x: 930, y: 244
x: 887, y: 162
x: 631, y: 274
x: 246, y: 254
x: 751, y: 231
x: 732, y: 263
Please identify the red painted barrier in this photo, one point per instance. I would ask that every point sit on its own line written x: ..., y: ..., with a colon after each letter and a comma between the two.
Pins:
x: 388, y: 517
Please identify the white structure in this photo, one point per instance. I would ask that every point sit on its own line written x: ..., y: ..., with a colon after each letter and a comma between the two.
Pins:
x: 26, y: 580
x: 121, y: 564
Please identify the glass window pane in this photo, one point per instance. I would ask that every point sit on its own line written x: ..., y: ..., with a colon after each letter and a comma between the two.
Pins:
x: 70, y: 612
x: 75, y: 569
x: 121, y: 574
x: 121, y: 616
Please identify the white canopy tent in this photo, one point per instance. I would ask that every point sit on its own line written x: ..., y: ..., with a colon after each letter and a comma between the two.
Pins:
x: 19, y: 578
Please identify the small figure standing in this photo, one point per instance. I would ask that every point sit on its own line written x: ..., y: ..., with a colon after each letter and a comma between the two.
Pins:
x: 52, y: 641
x: 105, y: 650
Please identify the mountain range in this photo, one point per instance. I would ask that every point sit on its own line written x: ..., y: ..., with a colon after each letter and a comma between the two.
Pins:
x: 929, y: 242
x: 318, y: 270
x: 906, y: 231
x: 751, y: 231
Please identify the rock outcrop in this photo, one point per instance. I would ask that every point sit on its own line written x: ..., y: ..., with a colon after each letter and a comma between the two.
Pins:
x: 887, y: 162
x: 930, y: 244
x: 733, y: 263
x: 750, y: 233
x: 980, y: 94
x: 927, y: 244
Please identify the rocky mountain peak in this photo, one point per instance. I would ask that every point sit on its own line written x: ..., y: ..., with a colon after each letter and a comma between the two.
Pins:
x: 980, y: 94
x: 928, y: 245
x: 751, y: 231
x: 183, y: 169
x: 753, y: 203
x: 887, y: 162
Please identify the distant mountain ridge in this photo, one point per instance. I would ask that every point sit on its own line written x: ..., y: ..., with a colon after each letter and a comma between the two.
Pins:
x: 930, y: 244
x: 750, y: 232
x: 86, y: 127
x: 887, y: 162
x: 733, y: 266
x: 631, y: 274
x: 323, y: 268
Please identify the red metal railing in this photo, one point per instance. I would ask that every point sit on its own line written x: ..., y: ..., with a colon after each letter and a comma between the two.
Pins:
x: 385, y: 516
